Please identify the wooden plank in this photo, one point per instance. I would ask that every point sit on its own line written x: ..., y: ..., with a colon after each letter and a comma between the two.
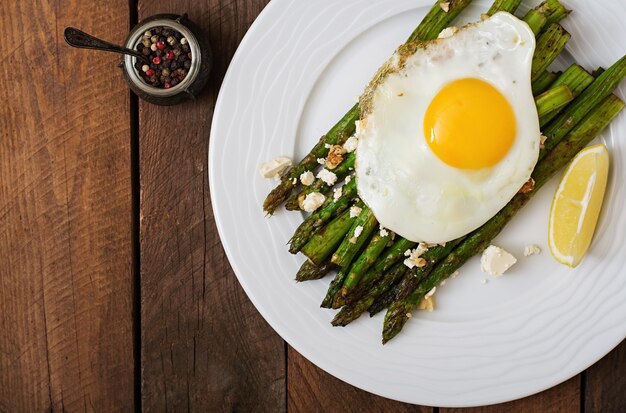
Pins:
x: 564, y: 398
x: 204, y: 345
x: 65, y: 212
x: 605, y: 386
x: 310, y: 389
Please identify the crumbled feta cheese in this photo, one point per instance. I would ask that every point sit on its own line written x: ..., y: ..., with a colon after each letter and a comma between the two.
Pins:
x: 542, y: 141
x: 321, y: 161
x: 384, y: 232
x: 337, y: 193
x: 327, y: 145
x: 427, y: 303
x: 275, y: 167
x: 307, y: 178
x: 358, y: 230
x: 445, y: 6
x: 351, y: 144
x: 327, y: 176
x: 495, y: 261
x: 414, y: 259
x: 294, y: 181
x: 312, y: 201
x: 531, y: 250
x: 448, y: 32
x: 408, y: 315
x: 355, y: 211
x: 414, y: 255
x: 348, y: 179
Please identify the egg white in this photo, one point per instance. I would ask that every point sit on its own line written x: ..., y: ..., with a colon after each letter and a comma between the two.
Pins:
x: 409, y: 189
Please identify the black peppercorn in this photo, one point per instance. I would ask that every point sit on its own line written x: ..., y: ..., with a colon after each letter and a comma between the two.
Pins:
x: 175, y: 81
x: 185, y: 48
x: 146, y: 51
x: 158, y: 52
x: 187, y: 64
x: 174, y: 66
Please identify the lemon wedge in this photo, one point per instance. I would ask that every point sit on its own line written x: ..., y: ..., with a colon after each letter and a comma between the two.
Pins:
x: 576, y: 205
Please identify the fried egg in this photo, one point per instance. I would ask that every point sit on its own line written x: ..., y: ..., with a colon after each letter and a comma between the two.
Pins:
x: 449, y: 130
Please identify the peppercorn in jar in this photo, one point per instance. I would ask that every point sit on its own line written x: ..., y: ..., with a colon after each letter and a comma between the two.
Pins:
x: 169, y: 57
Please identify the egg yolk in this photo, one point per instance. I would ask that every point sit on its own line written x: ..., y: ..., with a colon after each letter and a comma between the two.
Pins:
x: 469, y: 124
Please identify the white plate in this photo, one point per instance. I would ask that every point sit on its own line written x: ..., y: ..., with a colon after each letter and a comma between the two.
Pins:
x: 295, y: 74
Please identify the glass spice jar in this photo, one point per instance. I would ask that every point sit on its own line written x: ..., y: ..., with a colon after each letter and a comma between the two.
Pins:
x: 198, y: 72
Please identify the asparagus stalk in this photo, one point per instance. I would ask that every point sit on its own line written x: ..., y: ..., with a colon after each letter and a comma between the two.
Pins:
x: 549, y: 45
x: 354, y: 310
x: 558, y: 157
x: 342, y: 170
x: 357, y: 236
x: 504, y: 5
x: 551, y: 101
x: 554, y: 11
x: 595, y: 93
x: 309, y: 271
x: 327, y: 211
x: 390, y: 256
x: 364, y: 262
x: 411, y: 280
x: 334, y: 288
x: 536, y: 20
x: 323, y: 243
x: 577, y: 80
x: 435, y: 21
x: 544, y: 81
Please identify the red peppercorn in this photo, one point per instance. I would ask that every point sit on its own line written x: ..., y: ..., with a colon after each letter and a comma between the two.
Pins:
x: 169, y: 55
x: 167, y: 85
x: 156, y: 60
x: 160, y: 45
x: 150, y: 72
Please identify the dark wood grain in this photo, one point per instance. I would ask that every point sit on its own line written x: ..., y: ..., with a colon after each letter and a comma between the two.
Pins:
x: 204, y: 346
x: 605, y: 386
x: 313, y: 390
x: 65, y: 212
x: 564, y: 398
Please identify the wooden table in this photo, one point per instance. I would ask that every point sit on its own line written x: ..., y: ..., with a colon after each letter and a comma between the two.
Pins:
x: 115, y: 293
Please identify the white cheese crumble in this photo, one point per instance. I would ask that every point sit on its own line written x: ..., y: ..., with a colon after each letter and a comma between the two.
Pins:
x: 275, y: 167
x: 427, y: 303
x: 495, y: 261
x: 355, y: 211
x: 307, y: 178
x: 531, y: 250
x: 312, y: 201
x: 351, y: 144
x: 294, y: 181
x: 384, y: 232
x: 445, y: 6
x: 414, y: 256
x: 321, y: 161
x: 448, y: 32
x: 328, y: 145
x: 348, y: 179
x: 327, y: 176
x: 337, y: 193
x: 542, y: 141
x: 358, y: 231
